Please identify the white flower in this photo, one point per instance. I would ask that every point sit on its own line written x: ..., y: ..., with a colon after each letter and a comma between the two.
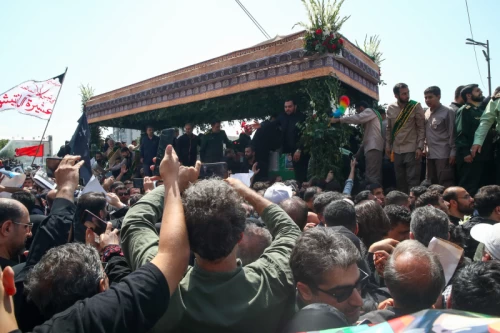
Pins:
x: 333, y: 105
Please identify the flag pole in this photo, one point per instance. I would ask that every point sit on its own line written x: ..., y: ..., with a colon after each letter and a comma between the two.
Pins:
x: 48, y: 121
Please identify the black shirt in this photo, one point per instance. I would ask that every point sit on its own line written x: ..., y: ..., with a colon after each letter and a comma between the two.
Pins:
x: 186, y: 148
x: 291, y: 133
x: 133, y: 305
x: 7, y: 262
x: 455, y: 220
x: 149, y: 148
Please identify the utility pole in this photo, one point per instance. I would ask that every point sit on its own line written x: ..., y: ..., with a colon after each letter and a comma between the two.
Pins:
x: 486, y: 55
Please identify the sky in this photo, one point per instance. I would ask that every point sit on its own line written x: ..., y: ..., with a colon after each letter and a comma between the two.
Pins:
x: 110, y: 44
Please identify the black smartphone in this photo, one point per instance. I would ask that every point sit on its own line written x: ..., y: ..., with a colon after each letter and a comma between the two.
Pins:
x: 167, y: 137
x: 94, y: 222
x: 51, y: 164
x: 209, y: 170
x: 138, y: 183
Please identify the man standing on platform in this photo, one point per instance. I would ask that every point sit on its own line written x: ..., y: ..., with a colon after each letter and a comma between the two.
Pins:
x: 212, y: 144
x: 373, y: 142
x: 288, y: 122
x: 471, y: 171
x: 405, y: 136
x: 149, y: 148
x: 459, y: 102
x: 187, y: 146
x: 490, y: 115
x: 440, y: 139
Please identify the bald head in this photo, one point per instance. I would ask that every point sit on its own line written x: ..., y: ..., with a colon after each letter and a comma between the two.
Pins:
x: 296, y: 208
x: 451, y: 193
x: 414, y: 276
x: 11, y: 209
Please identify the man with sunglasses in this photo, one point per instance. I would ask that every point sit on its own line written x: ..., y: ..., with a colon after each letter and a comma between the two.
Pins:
x: 15, y: 229
x: 325, y: 270
x: 461, y: 203
x: 415, y: 279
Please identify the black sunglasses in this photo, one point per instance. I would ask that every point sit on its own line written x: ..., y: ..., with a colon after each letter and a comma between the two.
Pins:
x: 341, y: 294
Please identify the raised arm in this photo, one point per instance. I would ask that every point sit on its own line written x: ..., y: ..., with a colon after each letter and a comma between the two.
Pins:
x: 359, y: 118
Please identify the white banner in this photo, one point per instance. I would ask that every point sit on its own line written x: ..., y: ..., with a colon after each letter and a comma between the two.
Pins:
x: 34, y: 98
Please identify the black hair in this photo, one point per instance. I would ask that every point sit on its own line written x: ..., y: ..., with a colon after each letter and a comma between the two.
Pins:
x: 94, y: 202
x: 124, y: 149
x: 296, y: 208
x: 372, y: 187
x: 214, y: 121
x: 215, y: 218
x: 373, y: 222
x: 487, y: 199
x: 428, y: 198
x: 362, y: 196
x: 434, y: 90
x: 397, y: 215
x: 436, y: 187
x: 26, y: 198
x: 321, y: 200
x: 317, y: 251
x: 418, y: 190
x: 135, y: 198
x: 362, y: 104
x: 468, y: 90
x: 396, y: 198
x: 291, y: 99
x: 398, y: 87
x: 115, y: 185
x: 476, y: 288
x: 458, y: 91
x: 310, y: 192
x: 340, y: 213
x: 428, y: 222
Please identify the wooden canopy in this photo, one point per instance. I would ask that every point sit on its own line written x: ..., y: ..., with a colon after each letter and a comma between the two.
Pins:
x: 273, y: 63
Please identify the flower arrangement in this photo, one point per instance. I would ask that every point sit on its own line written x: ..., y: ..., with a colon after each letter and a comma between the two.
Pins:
x: 322, y: 31
x: 323, y: 41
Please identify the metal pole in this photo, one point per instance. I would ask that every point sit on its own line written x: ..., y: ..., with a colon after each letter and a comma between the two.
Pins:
x: 488, y: 60
x: 48, y: 121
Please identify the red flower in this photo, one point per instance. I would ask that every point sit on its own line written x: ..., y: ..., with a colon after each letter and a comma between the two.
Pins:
x: 319, y: 31
x: 341, y: 41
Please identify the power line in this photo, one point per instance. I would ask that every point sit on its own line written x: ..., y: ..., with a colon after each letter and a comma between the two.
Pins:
x: 253, y: 20
x: 472, y: 36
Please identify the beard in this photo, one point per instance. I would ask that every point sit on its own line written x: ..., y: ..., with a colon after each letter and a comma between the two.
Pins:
x: 465, y: 209
x: 478, y: 98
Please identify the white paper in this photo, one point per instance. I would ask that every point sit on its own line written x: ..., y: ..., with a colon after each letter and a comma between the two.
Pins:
x: 93, y: 186
x: 449, y: 255
x: 244, y: 177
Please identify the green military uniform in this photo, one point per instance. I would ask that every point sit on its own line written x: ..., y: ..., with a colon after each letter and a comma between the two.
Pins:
x: 488, y: 119
x: 471, y: 176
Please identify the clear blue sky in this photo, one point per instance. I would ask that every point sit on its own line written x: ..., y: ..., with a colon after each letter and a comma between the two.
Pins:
x: 109, y: 44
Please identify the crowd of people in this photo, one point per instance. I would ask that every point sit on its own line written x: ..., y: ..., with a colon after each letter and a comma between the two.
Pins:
x: 183, y: 254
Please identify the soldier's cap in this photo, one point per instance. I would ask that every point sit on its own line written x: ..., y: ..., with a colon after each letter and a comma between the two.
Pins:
x: 467, y: 90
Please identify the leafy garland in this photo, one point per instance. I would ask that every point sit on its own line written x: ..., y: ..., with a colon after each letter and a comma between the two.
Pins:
x: 324, y: 24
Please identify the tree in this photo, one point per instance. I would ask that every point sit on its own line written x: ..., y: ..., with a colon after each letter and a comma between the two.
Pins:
x: 86, y: 93
x: 3, y: 143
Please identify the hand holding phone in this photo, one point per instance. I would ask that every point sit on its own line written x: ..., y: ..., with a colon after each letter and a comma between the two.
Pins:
x: 92, y: 221
x: 209, y: 170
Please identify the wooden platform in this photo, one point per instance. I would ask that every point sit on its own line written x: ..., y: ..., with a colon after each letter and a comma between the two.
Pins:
x: 268, y: 64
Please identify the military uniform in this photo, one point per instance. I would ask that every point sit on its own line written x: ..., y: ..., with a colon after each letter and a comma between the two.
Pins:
x: 471, y: 176
x: 488, y: 119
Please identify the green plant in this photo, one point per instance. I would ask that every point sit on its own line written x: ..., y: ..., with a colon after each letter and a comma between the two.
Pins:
x: 323, y: 16
x: 324, y: 24
x: 86, y: 93
x: 371, y: 46
x: 3, y: 143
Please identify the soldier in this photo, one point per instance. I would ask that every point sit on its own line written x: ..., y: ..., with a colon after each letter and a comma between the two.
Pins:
x: 471, y: 172
x: 490, y: 115
x: 405, y: 136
